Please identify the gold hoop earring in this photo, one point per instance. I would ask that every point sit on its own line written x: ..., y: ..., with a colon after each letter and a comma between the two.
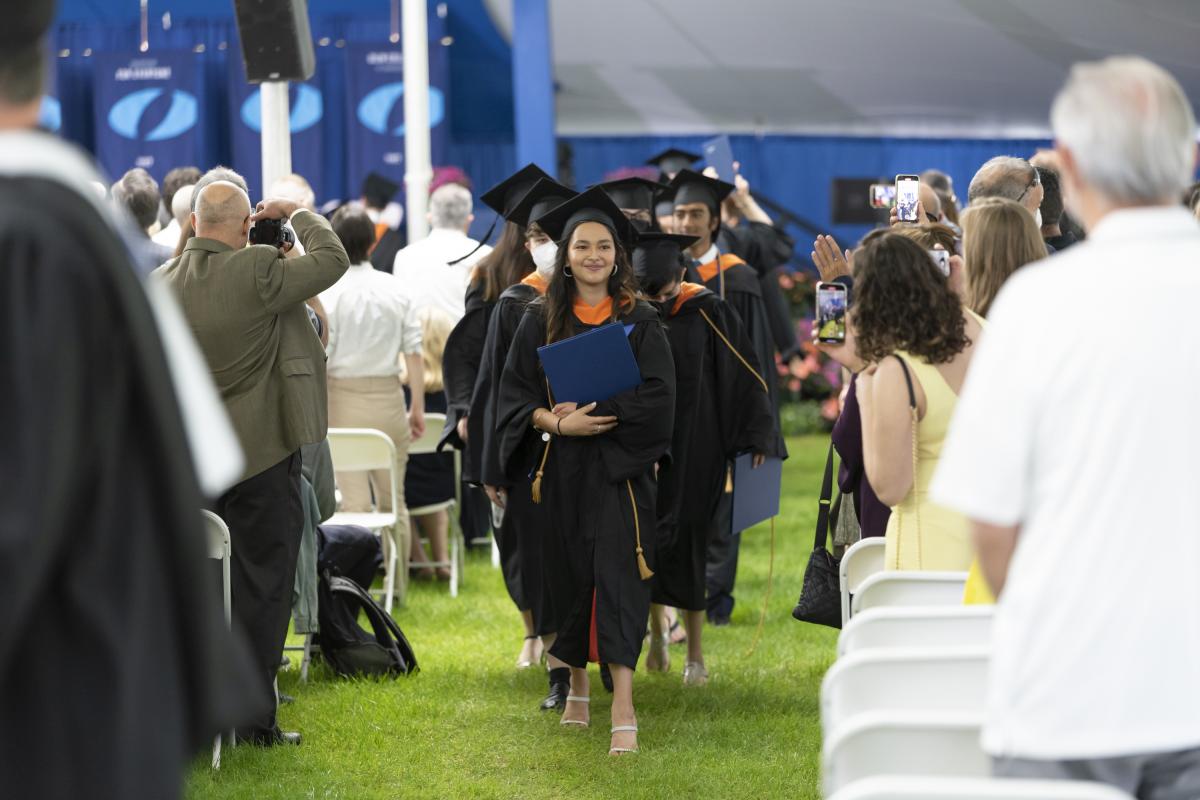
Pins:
x: 567, y: 272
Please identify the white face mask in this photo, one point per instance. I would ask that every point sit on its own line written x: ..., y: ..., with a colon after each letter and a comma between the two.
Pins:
x: 544, y: 256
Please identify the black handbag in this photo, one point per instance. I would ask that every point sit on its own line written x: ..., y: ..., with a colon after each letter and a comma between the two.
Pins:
x: 821, y: 595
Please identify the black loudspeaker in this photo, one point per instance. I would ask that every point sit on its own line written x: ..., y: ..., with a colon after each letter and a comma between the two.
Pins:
x: 851, y: 202
x: 277, y: 44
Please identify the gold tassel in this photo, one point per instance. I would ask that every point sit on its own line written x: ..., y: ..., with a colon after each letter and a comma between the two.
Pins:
x: 536, y: 489
x: 643, y: 568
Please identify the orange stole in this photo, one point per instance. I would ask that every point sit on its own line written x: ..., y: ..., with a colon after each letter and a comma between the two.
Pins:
x: 536, y: 281
x: 709, y: 271
x: 686, y: 292
x: 594, y: 315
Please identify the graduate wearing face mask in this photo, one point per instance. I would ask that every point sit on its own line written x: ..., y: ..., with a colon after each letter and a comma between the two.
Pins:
x: 533, y: 561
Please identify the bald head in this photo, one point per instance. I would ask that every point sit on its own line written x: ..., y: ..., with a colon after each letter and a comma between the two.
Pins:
x: 1007, y: 177
x: 222, y: 213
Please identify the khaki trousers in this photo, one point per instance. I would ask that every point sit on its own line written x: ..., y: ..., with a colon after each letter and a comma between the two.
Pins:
x: 376, y: 403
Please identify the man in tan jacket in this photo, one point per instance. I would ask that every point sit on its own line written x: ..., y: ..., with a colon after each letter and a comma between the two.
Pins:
x: 245, y: 305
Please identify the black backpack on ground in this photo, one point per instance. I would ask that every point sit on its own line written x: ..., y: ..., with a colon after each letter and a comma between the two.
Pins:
x: 349, y: 649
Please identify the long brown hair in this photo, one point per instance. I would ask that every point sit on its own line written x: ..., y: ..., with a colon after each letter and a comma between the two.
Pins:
x: 507, y: 264
x: 999, y: 237
x: 559, y: 300
x: 903, y: 302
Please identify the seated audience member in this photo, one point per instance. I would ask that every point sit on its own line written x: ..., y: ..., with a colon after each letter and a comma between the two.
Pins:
x: 137, y: 193
x: 1058, y: 463
x: 270, y: 371
x: 998, y: 239
x: 426, y: 274
x: 174, y: 180
x: 372, y: 325
x: 430, y: 477
x: 1052, y: 211
x: 904, y: 306
x: 386, y: 214
x: 295, y: 188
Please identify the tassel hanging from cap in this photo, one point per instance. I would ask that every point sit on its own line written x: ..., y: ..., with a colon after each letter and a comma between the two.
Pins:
x: 536, y: 489
x: 643, y: 568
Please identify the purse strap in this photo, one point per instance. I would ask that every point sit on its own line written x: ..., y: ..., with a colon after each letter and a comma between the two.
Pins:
x: 822, y: 534
x: 912, y: 408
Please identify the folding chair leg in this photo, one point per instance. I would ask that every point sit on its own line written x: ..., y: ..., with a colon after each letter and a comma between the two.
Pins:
x: 495, y: 553
x: 216, y: 755
x: 454, y: 573
x: 307, y: 659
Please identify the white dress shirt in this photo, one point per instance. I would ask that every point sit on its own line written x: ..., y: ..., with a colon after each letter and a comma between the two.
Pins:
x: 372, y: 322
x: 168, y: 236
x: 1078, y: 422
x: 427, y: 277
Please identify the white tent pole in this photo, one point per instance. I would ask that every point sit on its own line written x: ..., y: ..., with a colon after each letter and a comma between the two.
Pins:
x: 276, y: 133
x: 418, y: 171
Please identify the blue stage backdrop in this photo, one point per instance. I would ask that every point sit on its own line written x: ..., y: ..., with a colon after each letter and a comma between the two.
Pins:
x: 307, y: 107
x: 375, y: 111
x: 147, y: 110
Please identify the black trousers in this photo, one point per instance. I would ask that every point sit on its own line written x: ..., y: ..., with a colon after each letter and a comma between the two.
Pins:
x: 721, y: 569
x: 265, y: 516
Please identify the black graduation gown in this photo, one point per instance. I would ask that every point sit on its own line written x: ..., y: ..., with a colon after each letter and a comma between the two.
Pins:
x: 461, y: 360
x: 721, y: 410
x: 766, y: 248
x: 115, y: 661
x: 383, y: 257
x: 744, y: 295
x: 598, y: 490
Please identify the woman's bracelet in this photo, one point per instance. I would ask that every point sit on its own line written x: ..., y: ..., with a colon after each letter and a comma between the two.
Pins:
x: 558, y: 426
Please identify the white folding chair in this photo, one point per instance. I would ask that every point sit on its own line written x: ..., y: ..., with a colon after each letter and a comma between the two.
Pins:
x: 909, y: 588
x: 861, y: 560
x: 917, y: 626
x: 220, y: 549
x: 363, y: 450
x: 903, y: 787
x: 903, y: 743
x: 426, y: 445
x: 913, y: 680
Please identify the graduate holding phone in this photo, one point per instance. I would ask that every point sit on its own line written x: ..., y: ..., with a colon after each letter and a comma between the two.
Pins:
x: 593, y: 464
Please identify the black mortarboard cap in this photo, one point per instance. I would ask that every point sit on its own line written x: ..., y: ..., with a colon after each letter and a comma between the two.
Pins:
x: 656, y: 258
x: 673, y: 159
x: 504, y: 196
x: 632, y: 192
x: 692, y: 187
x: 25, y: 23
x: 594, y: 205
x: 379, y: 190
x: 545, y: 195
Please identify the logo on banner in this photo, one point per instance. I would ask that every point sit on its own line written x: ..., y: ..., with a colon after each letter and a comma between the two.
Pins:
x: 126, y: 115
x: 380, y: 103
x: 307, y: 109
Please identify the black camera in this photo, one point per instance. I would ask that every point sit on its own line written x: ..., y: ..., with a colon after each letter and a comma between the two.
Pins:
x: 272, y: 232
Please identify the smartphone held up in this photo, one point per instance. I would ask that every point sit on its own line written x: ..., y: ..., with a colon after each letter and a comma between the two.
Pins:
x: 831, y: 313
x: 908, y: 194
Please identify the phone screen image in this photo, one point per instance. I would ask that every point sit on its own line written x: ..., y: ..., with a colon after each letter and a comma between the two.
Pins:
x: 883, y: 195
x: 942, y: 259
x: 831, y: 312
x: 907, y: 195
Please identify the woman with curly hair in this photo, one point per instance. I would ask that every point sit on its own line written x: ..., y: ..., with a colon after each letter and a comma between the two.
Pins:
x: 907, y: 323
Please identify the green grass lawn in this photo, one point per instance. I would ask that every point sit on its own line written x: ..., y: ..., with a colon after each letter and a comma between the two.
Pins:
x: 468, y: 725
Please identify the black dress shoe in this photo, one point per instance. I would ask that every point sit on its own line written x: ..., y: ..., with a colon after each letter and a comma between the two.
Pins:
x: 718, y: 620
x: 606, y: 677
x: 557, y: 699
x: 271, y: 737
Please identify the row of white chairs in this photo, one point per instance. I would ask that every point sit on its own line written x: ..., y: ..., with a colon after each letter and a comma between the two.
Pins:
x: 902, y: 707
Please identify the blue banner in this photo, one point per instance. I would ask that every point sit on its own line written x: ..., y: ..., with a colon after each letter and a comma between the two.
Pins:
x: 307, y: 108
x: 147, y: 111
x: 375, y: 111
x: 50, y: 112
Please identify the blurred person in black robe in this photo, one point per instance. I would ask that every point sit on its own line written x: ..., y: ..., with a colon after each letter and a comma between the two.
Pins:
x: 114, y: 656
x: 593, y: 465
x: 697, y: 201
x: 538, y: 562
x: 721, y: 410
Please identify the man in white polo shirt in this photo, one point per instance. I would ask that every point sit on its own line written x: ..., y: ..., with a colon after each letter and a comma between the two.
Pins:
x: 1080, y: 476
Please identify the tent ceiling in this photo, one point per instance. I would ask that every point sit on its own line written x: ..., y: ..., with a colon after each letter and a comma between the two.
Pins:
x: 917, y: 67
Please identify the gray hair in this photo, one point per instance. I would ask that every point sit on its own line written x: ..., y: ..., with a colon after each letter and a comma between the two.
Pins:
x: 137, y: 192
x: 181, y: 203
x: 1129, y: 127
x: 215, y: 174
x: 226, y: 207
x: 1003, y: 176
x: 450, y: 207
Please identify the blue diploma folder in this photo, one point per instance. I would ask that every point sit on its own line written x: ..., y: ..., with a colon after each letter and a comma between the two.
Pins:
x: 718, y: 154
x: 755, y: 491
x: 592, y: 366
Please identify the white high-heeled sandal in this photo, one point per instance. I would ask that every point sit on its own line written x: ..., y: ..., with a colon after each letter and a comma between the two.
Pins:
x: 616, y: 751
x: 583, y: 723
